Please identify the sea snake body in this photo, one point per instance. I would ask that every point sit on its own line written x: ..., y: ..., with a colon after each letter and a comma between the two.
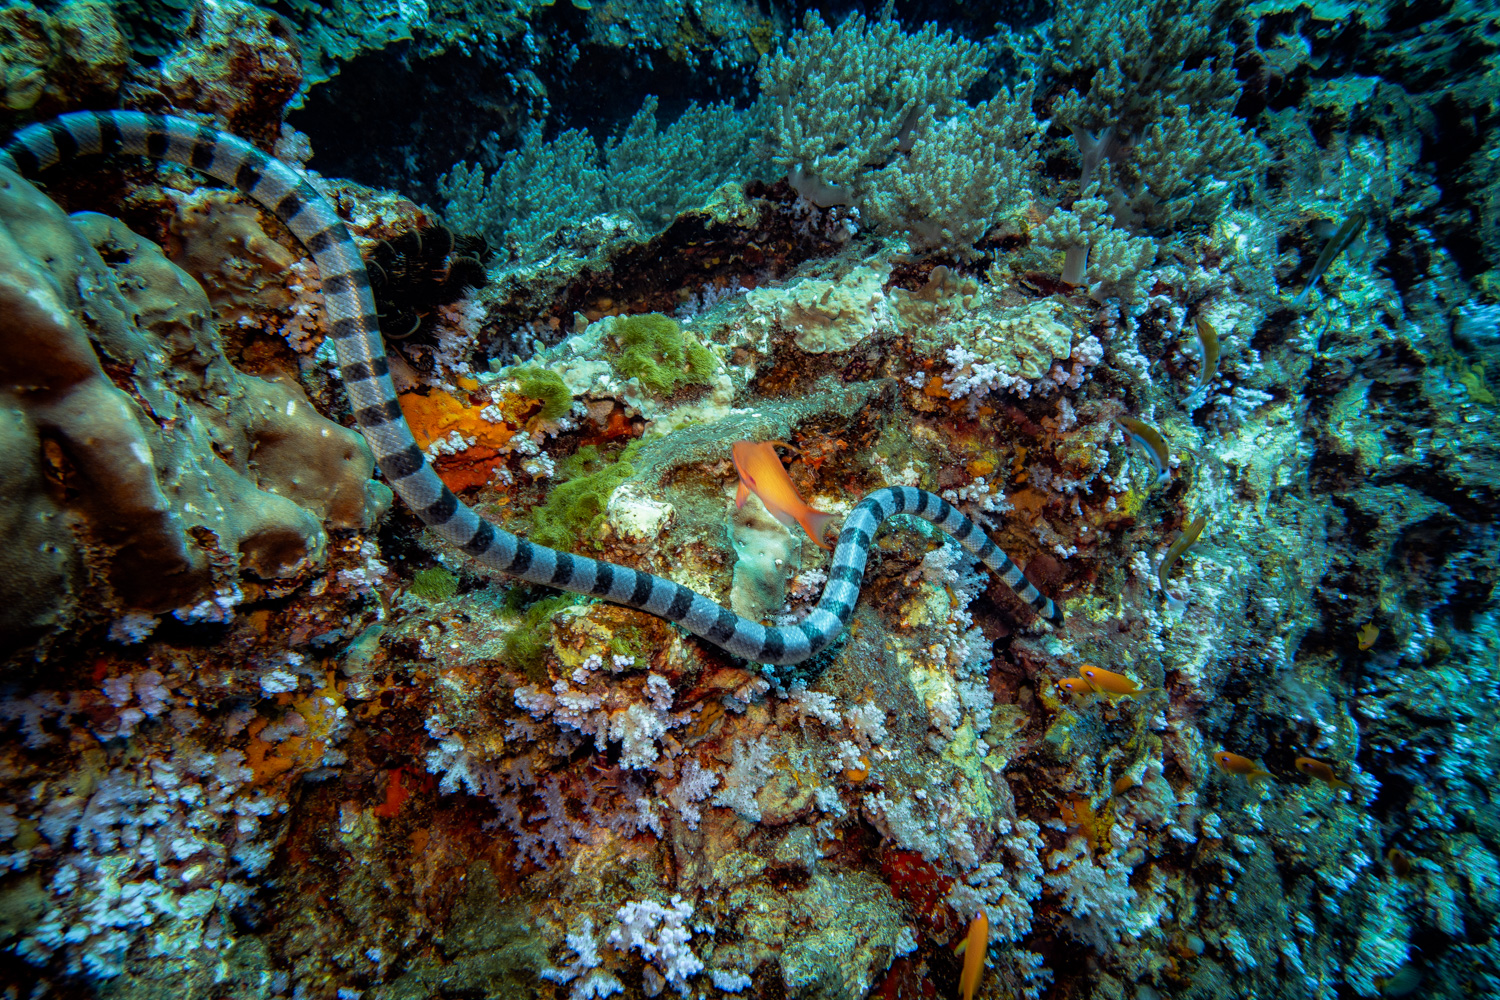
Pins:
x: 356, y: 338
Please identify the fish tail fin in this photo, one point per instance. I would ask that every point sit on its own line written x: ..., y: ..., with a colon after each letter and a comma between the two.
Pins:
x: 816, y: 523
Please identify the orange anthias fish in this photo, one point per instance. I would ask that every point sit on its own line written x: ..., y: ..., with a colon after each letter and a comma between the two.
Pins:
x: 762, y: 473
x: 974, y: 948
x: 1107, y: 680
x: 1323, y: 772
x: 1233, y: 763
x: 1075, y: 685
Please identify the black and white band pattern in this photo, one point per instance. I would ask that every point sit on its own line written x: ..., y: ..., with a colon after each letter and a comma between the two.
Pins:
x: 361, y: 360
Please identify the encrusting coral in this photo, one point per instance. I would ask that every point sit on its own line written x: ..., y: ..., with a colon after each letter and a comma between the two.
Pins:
x: 191, y: 475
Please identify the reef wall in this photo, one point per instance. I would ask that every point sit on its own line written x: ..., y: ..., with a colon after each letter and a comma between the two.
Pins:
x: 1192, y: 307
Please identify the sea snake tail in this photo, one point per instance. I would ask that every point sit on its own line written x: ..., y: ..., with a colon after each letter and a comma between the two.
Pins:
x: 361, y: 361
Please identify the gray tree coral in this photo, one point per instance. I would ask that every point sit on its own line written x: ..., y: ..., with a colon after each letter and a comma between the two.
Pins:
x: 1135, y: 58
x: 646, y: 173
x: 1160, y: 93
x: 538, y: 189
x: 963, y: 175
x: 846, y: 99
x: 1096, y: 252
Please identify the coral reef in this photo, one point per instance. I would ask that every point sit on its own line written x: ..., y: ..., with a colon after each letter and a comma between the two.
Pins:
x: 265, y: 733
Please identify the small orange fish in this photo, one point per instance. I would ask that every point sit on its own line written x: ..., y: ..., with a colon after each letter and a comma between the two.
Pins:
x: 974, y: 948
x: 1106, y: 680
x: 1367, y: 634
x: 1075, y: 685
x: 1323, y: 772
x: 762, y: 473
x: 1233, y: 763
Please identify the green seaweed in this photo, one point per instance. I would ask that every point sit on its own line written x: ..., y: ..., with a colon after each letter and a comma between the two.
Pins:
x: 434, y: 585
x: 659, y: 352
x: 547, y: 386
x: 627, y: 642
x: 575, y: 509
x: 526, y: 645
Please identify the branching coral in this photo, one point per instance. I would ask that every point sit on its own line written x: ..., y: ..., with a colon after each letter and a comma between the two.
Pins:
x: 1190, y: 166
x: 646, y: 173
x: 656, y: 173
x: 963, y: 174
x: 539, y: 188
x: 846, y: 99
x: 1096, y: 253
x: 1140, y: 59
x: 1161, y: 91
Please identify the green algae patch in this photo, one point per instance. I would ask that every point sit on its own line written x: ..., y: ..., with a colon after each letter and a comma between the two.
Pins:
x: 575, y: 509
x: 434, y: 585
x: 526, y: 645
x: 1475, y: 384
x: 658, y: 351
x: 546, y: 386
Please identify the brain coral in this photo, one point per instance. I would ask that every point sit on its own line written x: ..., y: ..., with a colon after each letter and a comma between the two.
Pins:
x: 141, y: 471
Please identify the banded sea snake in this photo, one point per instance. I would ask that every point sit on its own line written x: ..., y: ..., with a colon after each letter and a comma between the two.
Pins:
x: 361, y: 361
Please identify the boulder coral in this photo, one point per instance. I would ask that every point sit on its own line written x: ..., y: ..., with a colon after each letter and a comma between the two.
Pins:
x: 143, y: 472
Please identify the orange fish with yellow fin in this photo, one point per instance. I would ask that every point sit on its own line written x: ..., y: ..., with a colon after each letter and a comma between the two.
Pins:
x: 1107, y: 681
x: 974, y: 948
x: 762, y: 473
x: 1233, y: 763
x: 1321, y: 770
